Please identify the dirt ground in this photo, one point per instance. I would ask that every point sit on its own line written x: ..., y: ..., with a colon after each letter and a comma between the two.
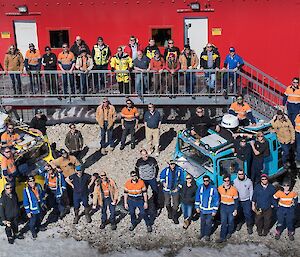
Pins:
x: 165, y: 233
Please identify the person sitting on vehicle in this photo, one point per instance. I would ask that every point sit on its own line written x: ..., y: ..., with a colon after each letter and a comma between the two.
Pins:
x: 228, y: 127
x: 242, y: 110
x: 287, y: 203
x: 9, y: 213
x: 188, y: 193
x: 74, y: 140
x: 260, y: 150
x: 10, y: 137
x: 172, y: 178
x: 55, y: 185
x: 199, y: 123
x: 8, y: 166
x: 285, y: 132
x: 106, y: 194
x: 38, y: 123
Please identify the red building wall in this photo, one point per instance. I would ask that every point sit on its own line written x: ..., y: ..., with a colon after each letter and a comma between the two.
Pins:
x: 266, y: 33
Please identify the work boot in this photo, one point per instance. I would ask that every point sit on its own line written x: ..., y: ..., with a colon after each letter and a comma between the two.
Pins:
x: 132, y: 146
x: 298, y: 164
x: 186, y: 223
x: 169, y: 209
x: 76, y: 218
x: 132, y: 227
x: 207, y: 238
x: 175, y: 218
x: 228, y: 236
x: 10, y: 240
x: 239, y: 226
x: 87, y: 215
x: 122, y: 147
x: 220, y: 240
x: 102, y: 226
x: 250, y: 229
x: 113, y: 226
x: 277, y: 236
x: 19, y: 236
x: 291, y: 236
x: 149, y: 229
x: 103, y: 151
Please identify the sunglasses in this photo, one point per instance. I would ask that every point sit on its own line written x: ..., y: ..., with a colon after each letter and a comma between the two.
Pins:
x: 209, y: 46
x: 226, y: 180
x: 286, y: 185
x: 241, y: 174
x: 206, y: 180
x: 103, y: 175
x: 188, y: 178
x: 31, y: 180
x: 295, y: 82
x: 8, y: 188
x: 199, y: 111
x: 73, y: 127
x: 263, y: 179
x: 7, y: 152
x: 128, y: 103
x: 150, y: 107
x: 64, y: 47
x: 10, y: 128
x: 105, y: 101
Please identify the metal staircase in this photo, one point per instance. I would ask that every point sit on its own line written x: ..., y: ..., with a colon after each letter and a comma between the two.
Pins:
x: 261, y: 91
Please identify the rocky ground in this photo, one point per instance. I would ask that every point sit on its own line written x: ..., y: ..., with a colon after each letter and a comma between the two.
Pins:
x: 166, y: 235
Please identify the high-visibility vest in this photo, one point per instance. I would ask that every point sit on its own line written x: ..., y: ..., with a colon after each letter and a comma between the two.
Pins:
x: 297, y: 123
x: 135, y: 189
x: 293, y: 95
x: 240, y: 109
x: 228, y: 195
x: 101, y: 56
x: 285, y: 200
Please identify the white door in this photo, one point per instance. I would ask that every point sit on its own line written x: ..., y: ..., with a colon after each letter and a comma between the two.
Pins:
x: 26, y: 33
x: 196, y: 33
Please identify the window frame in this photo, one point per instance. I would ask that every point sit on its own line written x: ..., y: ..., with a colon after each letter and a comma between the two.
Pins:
x: 151, y: 28
x: 49, y: 29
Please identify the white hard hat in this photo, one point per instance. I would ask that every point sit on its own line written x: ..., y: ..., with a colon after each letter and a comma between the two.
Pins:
x: 229, y: 121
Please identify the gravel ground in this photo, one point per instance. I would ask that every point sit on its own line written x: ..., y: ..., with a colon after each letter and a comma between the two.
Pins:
x: 165, y: 233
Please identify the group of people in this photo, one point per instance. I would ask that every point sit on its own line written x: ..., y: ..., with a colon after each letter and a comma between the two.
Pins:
x: 251, y: 200
x: 153, y: 72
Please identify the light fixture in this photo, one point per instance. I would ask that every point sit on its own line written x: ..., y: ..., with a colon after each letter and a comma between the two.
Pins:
x: 195, y: 6
x: 23, y: 9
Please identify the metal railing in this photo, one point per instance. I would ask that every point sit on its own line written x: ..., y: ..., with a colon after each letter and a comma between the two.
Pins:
x: 105, y: 83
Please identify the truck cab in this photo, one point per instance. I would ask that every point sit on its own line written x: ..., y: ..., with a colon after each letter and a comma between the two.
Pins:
x: 214, y: 156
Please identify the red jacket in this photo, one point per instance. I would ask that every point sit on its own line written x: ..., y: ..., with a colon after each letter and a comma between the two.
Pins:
x: 128, y: 50
x: 172, y: 65
x: 157, y: 65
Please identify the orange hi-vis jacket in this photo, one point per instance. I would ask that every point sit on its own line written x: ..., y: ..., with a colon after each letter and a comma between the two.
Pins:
x: 293, y: 95
x: 297, y: 123
x: 8, y: 166
x: 8, y: 139
x: 228, y: 196
x: 52, y: 182
x: 135, y: 189
x: 240, y: 109
x: 33, y: 57
x: 286, y: 200
x: 129, y: 114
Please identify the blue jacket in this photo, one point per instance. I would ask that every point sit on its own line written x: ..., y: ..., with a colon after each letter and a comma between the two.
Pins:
x: 263, y: 197
x: 235, y: 62
x: 30, y: 201
x: 207, y: 199
x: 60, y: 181
x: 173, y: 179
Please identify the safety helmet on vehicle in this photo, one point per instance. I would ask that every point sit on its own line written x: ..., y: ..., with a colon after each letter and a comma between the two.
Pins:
x: 229, y: 121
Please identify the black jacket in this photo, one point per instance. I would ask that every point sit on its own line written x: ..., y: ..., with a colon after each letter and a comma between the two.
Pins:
x: 75, y: 49
x: 9, y: 208
x: 172, y: 49
x: 49, y: 61
x: 200, y: 124
x: 188, y: 194
x: 204, y: 59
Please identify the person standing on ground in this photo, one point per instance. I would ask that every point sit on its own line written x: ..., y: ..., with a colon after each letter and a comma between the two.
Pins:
x: 49, y: 61
x: 206, y: 203
x: 106, y: 117
x: 228, y: 208
x: 263, y: 204
x: 188, y: 193
x: 38, y: 123
x: 33, y: 201
x: 106, y: 194
x: 74, y: 141
x: 152, y: 121
x: 287, y: 203
x: 14, y: 61
x: 81, y: 183
x: 172, y: 178
x: 147, y: 169
x: 135, y: 196
x: 244, y: 187
x: 129, y: 121
x: 9, y: 213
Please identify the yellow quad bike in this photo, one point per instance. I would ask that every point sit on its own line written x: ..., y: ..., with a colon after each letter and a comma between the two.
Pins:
x: 33, y: 152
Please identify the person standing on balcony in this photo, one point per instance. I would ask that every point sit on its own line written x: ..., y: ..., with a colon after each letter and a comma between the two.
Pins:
x: 101, y: 55
x: 49, y: 61
x: 122, y: 62
x: 33, y: 63
x: 171, y: 49
x: 66, y: 62
x: 84, y: 63
x: 285, y: 132
x: 14, y: 61
x: 151, y: 49
x: 157, y: 65
x: 210, y: 59
x: 133, y: 47
x: 297, y: 129
x: 233, y: 62
x: 172, y: 66
x: 141, y: 66
x: 291, y: 99
x: 189, y: 61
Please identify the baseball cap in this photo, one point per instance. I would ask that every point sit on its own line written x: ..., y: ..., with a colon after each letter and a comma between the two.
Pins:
x: 172, y: 161
x: 231, y: 49
x: 264, y: 176
x: 38, y: 111
x: 47, y: 48
x: 31, y: 45
x: 100, y: 38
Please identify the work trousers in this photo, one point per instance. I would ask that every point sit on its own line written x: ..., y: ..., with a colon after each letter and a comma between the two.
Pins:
x: 285, y: 152
x: 55, y: 202
x: 152, y: 139
x: 35, y: 79
x: 154, y: 186
x: 141, y: 83
x: 129, y: 128
x: 256, y: 169
x: 107, y: 204
x: 34, y: 223
x: 137, y: 203
x: 286, y: 219
x: 206, y: 224
x: 263, y: 221
x: 298, y: 146
x: 80, y: 198
x: 174, y: 198
x: 99, y: 77
x: 245, y: 208
x: 51, y: 83
x: 68, y: 79
x: 109, y: 132
x: 227, y: 220
x: 293, y: 110
x: 12, y: 230
x: 190, y: 82
x: 14, y: 78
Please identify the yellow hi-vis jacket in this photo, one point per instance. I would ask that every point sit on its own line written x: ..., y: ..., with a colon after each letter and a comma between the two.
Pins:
x: 121, y: 63
x: 101, y: 56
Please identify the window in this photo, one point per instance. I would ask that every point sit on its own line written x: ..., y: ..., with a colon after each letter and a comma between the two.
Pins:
x: 161, y: 36
x: 230, y: 166
x: 58, y: 37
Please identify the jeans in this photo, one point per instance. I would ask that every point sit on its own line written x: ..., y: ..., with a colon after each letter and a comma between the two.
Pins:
x: 206, y: 224
x: 99, y: 76
x: 34, y: 223
x: 129, y: 128
x: 83, y: 83
x: 107, y: 203
x: 256, y: 169
x: 55, y: 202
x: 137, y: 203
x: 174, y: 197
x: 68, y: 79
x: 227, y: 220
x: 285, y: 152
x: 80, y: 197
x: 35, y: 79
x: 141, y: 83
x: 190, y: 82
x: 12, y: 230
x: 245, y: 207
x: 154, y: 186
x: 187, y: 210
x: 298, y: 146
x: 293, y: 110
x: 210, y: 80
x: 109, y: 132
x: 51, y: 83
x: 230, y: 77
x: 14, y: 78
x: 285, y: 219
